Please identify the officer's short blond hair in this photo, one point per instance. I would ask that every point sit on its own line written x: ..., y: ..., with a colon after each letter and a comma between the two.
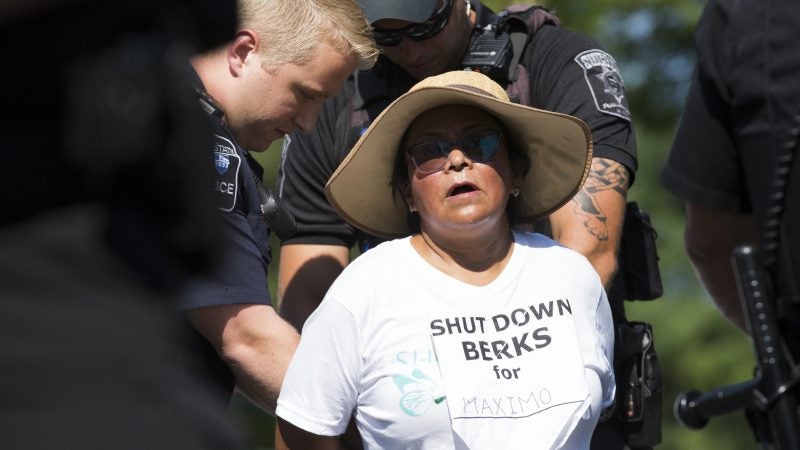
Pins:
x: 291, y: 30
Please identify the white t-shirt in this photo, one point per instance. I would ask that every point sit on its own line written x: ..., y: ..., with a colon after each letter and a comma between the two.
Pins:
x: 425, y: 361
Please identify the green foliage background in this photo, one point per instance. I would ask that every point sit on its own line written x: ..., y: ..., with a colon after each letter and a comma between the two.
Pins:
x: 652, y: 42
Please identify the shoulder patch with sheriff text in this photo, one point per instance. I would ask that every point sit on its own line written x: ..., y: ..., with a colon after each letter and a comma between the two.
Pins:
x: 226, y: 164
x: 605, y: 82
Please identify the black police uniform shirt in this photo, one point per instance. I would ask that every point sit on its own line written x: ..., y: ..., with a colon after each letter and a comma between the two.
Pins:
x: 241, y: 275
x: 738, y: 110
x: 567, y: 72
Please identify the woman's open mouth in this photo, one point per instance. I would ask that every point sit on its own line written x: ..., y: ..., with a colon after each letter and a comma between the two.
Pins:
x: 461, y: 189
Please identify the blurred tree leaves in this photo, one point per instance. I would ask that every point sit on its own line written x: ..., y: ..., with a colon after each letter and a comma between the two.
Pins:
x: 652, y: 41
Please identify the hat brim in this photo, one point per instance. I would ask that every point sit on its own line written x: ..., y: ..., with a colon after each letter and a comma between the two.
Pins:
x: 559, y: 147
x: 415, y: 11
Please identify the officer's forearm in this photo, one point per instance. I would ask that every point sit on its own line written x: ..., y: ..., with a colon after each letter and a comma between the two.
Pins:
x: 710, y: 238
x: 256, y: 344
x: 305, y: 274
x: 591, y: 223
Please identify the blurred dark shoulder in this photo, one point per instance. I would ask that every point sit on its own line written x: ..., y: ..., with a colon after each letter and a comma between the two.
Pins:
x: 99, y: 109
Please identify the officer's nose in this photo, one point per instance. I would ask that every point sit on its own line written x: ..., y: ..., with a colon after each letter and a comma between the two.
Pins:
x: 305, y: 118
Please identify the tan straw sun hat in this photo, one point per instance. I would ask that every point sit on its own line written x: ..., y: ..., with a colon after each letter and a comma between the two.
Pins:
x: 559, y: 147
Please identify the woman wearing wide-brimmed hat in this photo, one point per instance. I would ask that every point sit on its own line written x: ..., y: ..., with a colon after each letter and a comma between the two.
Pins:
x: 472, y: 332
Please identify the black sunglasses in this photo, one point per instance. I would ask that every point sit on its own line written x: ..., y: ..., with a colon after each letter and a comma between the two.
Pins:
x: 430, y: 157
x: 417, y: 31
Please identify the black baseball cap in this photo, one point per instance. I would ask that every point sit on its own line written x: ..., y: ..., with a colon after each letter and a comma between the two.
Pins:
x: 415, y: 11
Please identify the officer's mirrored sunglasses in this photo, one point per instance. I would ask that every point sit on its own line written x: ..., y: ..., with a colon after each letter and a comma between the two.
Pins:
x: 480, y: 147
x: 417, y: 31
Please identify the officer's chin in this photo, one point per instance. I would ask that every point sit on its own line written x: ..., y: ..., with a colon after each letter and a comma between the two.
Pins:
x: 263, y: 144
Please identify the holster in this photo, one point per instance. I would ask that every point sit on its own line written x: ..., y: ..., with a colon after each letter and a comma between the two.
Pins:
x: 639, y: 384
x: 638, y: 258
x: 637, y: 413
x: 639, y: 387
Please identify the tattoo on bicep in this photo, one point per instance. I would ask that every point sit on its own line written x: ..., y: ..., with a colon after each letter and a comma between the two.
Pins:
x: 605, y: 175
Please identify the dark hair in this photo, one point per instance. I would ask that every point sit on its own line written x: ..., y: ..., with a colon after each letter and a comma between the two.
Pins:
x: 519, y: 161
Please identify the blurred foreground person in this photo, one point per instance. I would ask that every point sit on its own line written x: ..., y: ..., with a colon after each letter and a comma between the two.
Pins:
x: 106, y: 211
x: 494, y: 336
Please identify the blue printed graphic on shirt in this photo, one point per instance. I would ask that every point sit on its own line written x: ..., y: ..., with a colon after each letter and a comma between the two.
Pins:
x: 418, y: 393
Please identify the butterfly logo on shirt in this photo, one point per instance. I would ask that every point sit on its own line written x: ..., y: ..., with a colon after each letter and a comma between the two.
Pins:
x: 419, y: 393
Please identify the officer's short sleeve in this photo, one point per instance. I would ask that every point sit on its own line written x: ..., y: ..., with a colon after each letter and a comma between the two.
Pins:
x: 703, y: 134
x: 240, y: 276
x: 570, y: 73
x: 700, y: 139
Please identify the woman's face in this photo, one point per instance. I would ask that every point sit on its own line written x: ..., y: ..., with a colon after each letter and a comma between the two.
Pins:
x: 465, y: 193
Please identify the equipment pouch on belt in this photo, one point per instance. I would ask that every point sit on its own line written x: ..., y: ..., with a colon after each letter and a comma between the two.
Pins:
x: 639, y: 385
x: 638, y: 256
x: 279, y: 220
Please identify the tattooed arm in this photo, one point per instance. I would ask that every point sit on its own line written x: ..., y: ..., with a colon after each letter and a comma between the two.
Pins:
x: 591, y: 223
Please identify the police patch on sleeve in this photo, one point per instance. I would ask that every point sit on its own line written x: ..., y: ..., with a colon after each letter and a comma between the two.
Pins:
x: 226, y: 163
x: 605, y: 82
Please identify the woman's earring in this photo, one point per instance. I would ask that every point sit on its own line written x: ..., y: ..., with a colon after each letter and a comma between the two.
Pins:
x: 515, y: 192
x: 469, y: 7
x: 411, y: 209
